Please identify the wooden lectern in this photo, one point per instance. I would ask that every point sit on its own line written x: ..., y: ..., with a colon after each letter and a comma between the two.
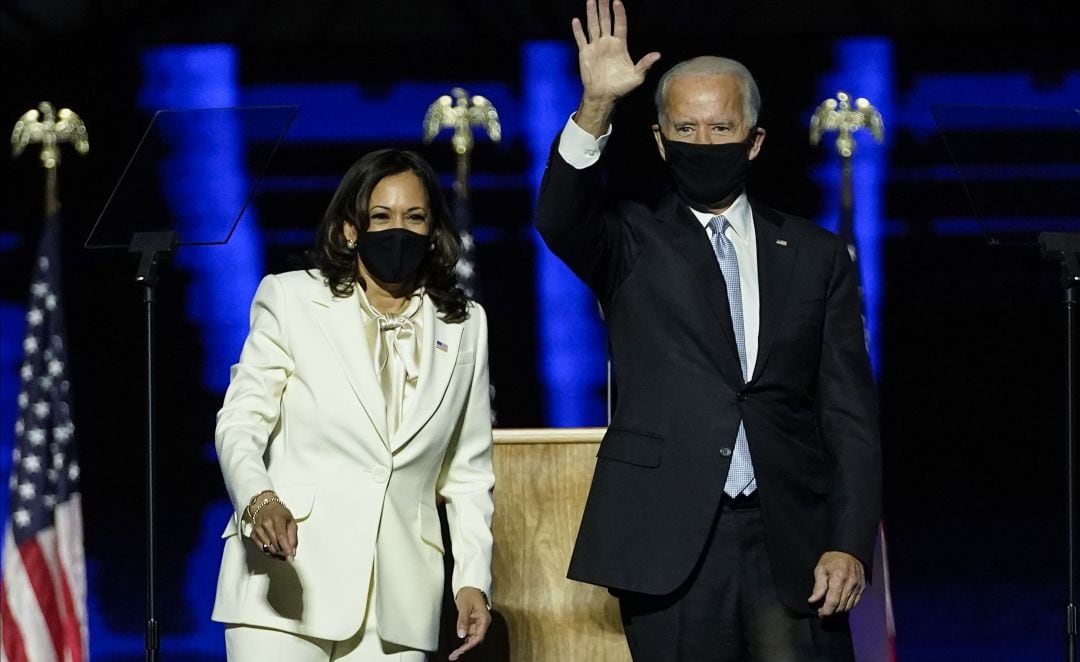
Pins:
x: 542, y: 477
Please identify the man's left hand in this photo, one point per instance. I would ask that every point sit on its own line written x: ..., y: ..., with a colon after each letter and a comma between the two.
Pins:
x: 839, y: 578
x: 473, y: 619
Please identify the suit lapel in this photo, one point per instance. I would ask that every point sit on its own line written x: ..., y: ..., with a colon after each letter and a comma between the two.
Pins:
x: 776, y: 250
x: 342, y: 322
x: 692, y: 243
x: 438, y: 355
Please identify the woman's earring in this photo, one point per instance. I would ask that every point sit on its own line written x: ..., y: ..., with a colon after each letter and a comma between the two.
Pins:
x: 350, y: 244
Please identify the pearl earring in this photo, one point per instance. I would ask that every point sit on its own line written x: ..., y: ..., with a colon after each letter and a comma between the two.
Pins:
x: 350, y: 244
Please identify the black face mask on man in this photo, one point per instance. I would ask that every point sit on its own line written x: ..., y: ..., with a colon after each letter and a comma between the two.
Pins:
x: 394, y: 255
x: 707, y: 175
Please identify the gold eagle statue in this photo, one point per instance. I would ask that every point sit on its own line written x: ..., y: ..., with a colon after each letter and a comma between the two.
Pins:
x: 460, y: 112
x: 838, y: 115
x: 49, y: 129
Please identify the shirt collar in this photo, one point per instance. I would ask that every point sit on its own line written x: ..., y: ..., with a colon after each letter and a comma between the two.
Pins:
x: 738, y: 215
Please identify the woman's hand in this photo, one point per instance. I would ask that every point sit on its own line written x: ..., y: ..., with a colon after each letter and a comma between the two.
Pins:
x: 274, y: 531
x: 473, y: 619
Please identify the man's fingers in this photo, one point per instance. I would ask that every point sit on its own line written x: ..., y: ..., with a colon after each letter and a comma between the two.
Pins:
x: 620, y: 19
x: 854, y: 583
x: 592, y: 20
x: 646, y: 62
x: 821, y: 584
x: 851, y: 599
x: 827, y: 585
x: 605, y: 17
x: 839, y: 581
x: 579, y: 34
x: 832, y: 599
x: 857, y: 597
x: 853, y: 593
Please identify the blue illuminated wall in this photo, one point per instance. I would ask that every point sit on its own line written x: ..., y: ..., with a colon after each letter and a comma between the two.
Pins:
x: 573, y: 350
x: 223, y: 278
x: 12, y: 329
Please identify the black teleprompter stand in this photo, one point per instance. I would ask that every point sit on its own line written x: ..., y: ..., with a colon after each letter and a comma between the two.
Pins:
x: 151, y: 248
x: 184, y: 153
x: 1065, y: 248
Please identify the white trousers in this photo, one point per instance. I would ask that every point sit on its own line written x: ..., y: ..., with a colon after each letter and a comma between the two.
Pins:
x: 244, y: 643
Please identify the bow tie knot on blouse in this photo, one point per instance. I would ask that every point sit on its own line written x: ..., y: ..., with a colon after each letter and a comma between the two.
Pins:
x: 397, y: 345
x: 395, y: 342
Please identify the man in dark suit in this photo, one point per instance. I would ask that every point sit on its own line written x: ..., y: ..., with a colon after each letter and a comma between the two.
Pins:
x: 736, y: 496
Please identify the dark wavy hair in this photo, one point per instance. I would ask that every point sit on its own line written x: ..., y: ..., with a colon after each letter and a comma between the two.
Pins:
x: 350, y: 204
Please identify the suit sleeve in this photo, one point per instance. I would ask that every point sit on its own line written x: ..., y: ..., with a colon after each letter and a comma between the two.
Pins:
x: 592, y: 240
x: 848, y: 415
x: 252, y: 404
x: 467, y: 478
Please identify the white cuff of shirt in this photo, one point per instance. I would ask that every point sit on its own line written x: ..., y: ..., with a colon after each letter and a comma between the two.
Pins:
x: 578, y: 147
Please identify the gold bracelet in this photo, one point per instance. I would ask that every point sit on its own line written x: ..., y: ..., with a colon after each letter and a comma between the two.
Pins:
x: 273, y: 498
x: 251, y: 502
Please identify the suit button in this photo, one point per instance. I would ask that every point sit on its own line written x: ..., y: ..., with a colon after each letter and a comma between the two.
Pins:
x: 380, y: 474
x: 725, y: 452
x: 742, y: 397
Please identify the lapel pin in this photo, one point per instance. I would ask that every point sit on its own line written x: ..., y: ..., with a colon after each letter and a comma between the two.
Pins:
x: 781, y: 242
x: 440, y: 345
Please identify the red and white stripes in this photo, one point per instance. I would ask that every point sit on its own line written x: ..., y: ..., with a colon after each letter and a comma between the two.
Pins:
x: 43, y: 592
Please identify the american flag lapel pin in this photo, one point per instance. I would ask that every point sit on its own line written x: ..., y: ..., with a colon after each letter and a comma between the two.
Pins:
x: 781, y: 242
x: 440, y: 345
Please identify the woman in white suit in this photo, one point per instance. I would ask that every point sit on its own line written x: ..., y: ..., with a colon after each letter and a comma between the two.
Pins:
x: 361, y: 394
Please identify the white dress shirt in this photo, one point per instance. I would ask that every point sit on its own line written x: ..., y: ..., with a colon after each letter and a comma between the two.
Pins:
x: 580, y: 149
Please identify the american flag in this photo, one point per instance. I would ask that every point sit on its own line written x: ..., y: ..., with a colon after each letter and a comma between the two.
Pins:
x: 466, y: 266
x: 43, y: 588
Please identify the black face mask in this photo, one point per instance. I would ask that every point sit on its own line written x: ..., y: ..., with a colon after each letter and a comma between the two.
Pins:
x: 394, y: 255
x: 707, y: 175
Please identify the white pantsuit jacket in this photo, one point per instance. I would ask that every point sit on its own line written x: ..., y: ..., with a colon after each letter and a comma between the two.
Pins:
x: 304, y: 416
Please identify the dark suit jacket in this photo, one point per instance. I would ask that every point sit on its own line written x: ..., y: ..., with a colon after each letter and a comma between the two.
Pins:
x: 809, y: 408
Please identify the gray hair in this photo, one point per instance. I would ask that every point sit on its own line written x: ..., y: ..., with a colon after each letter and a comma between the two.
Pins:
x: 711, y: 65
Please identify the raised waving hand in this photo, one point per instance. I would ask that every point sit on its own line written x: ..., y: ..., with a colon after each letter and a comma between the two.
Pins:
x: 607, y: 71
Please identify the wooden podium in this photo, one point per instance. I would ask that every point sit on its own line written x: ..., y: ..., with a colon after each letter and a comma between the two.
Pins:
x: 542, y: 477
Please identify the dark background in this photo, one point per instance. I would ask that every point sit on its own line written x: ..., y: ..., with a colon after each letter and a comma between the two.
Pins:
x: 973, y: 368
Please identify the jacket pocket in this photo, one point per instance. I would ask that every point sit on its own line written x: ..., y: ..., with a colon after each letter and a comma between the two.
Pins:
x: 637, y: 448
x: 430, y: 527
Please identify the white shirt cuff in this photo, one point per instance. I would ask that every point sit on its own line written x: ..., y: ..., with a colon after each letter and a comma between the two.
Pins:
x: 578, y: 147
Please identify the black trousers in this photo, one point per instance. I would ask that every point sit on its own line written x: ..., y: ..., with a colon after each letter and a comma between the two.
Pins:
x: 728, y: 609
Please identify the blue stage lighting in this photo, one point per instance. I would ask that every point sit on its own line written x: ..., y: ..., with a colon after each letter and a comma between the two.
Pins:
x: 572, y: 352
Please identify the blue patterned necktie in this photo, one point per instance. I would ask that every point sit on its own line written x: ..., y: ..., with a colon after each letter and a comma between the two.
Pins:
x: 740, y: 478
